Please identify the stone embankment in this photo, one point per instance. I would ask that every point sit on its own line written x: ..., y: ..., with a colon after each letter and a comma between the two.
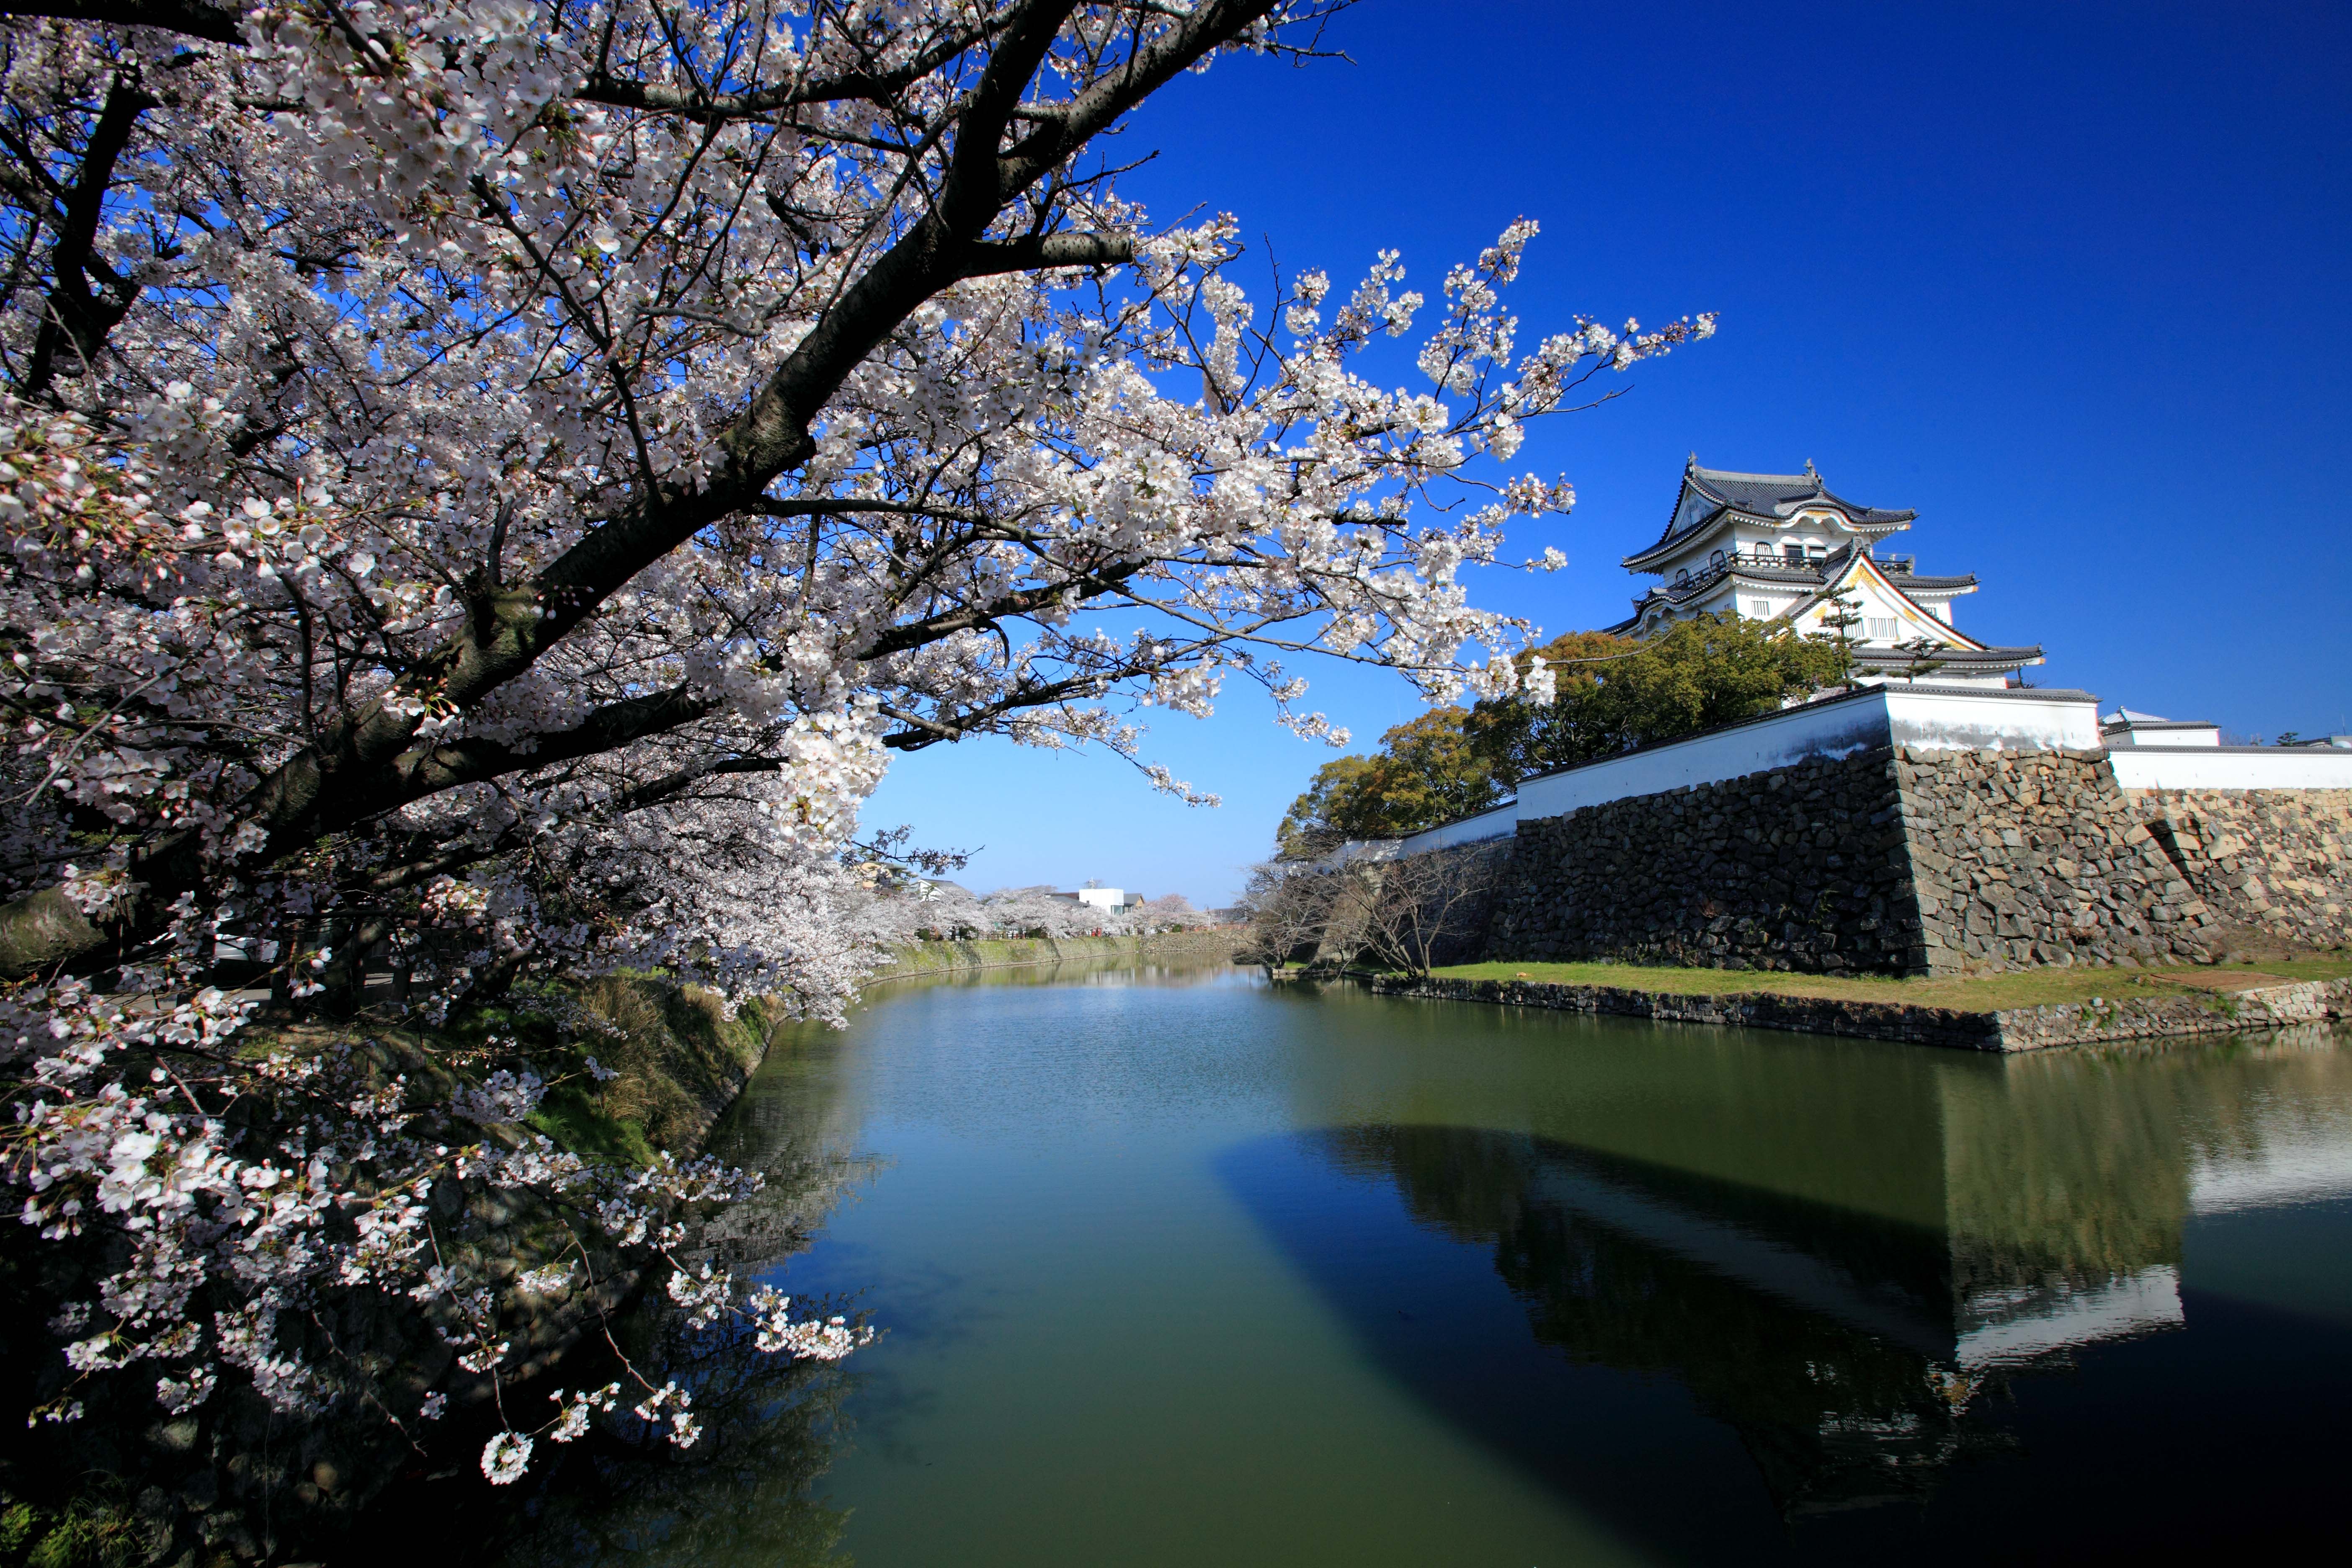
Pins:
x: 1900, y: 860
x: 2010, y: 1029
x: 2020, y: 860
x: 1804, y: 867
x: 1216, y: 945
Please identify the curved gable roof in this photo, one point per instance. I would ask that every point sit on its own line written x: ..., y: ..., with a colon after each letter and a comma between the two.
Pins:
x: 1770, y: 496
x: 1833, y: 582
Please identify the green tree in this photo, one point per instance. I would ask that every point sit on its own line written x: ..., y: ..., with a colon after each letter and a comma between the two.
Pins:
x: 1427, y: 771
x: 1708, y: 671
x: 1611, y: 694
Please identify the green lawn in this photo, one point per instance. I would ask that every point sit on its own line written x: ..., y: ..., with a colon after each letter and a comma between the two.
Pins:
x: 1984, y: 993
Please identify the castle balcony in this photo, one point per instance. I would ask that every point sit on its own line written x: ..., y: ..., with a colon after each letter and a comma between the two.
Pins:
x: 1788, y: 560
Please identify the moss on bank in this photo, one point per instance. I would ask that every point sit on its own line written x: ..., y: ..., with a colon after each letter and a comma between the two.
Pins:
x: 916, y: 959
x: 1974, y: 994
x: 233, y: 1482
x: 681, y: 1061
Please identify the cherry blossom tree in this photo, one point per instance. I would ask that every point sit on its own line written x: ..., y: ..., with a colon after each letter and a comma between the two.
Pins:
x: 489, y: 485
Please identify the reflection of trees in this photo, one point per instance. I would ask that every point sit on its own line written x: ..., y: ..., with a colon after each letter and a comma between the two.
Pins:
x: 742, y: 1494
x: 2062, y: 1169
x: 1835, y: 1415
x: 771, y: 1427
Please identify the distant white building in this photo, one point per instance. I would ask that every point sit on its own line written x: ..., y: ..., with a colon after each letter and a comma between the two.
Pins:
x: 1783, y: 547
x: 1094, y: 896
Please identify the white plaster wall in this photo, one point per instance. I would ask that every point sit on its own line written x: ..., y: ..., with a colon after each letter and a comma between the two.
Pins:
x: 1837, y: 728
x: 1355, y: 849
x: 1936, y: 718
x: 1499, y: 823
x: 2228, y: 767
x: 2168, y: 735
x: 1945, y: 718
x: 1940, y: 718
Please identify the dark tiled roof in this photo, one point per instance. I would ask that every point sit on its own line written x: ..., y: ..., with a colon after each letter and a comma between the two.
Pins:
x: 1772, y: 495
x: 1768, y: 497
x: 1983, y: 660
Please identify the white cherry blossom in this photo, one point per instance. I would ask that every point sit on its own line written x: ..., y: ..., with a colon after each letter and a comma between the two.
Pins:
x: 487, y: 486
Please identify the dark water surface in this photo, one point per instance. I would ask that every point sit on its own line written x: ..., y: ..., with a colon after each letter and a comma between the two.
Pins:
x: 1180, y: 1268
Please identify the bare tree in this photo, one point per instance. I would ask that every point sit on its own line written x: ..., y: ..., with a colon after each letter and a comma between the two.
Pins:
x: 1420, y: 911
x: 1288, y: 906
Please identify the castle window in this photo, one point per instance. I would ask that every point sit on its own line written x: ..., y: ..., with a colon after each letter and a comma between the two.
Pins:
x: 1715, y: 559
x: 1878, y: 629
x: 1793, y: 554
x: 1762, y: 609
x: 1682, y: 575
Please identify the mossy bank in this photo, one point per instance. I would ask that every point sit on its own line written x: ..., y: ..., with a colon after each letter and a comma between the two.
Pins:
x: 1216, y: 945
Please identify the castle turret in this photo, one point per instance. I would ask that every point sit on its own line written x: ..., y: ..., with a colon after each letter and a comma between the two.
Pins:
x: 1785, y: 547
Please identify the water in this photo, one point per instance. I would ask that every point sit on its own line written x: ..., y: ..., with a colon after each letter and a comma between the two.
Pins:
x: 1186, y: 1268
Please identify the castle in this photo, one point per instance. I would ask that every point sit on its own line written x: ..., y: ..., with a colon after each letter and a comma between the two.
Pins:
x: 1785, y: 547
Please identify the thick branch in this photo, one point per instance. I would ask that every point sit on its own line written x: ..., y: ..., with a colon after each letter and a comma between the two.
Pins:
x: 1042, y: 252
x: 192, y: 17
x: 876, y: 87
x: 75, y: 318
x: 432, y: 770
x: 363, y: 762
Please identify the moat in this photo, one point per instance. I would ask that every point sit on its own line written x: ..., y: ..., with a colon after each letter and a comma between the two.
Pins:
x: 1175, y: 1268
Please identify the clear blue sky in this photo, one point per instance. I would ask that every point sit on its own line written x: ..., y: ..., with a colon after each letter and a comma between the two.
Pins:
x: 2070, y: 280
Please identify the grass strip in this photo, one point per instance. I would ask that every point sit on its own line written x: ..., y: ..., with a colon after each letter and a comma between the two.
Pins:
x: 1973, y: 993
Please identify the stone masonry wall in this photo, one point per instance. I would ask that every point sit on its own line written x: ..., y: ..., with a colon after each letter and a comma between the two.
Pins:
x: 1935, y: 862
x: 2023, y: 859
x: 2304, y: 1005
x: 1804, y: 867
x: 2278, y: 860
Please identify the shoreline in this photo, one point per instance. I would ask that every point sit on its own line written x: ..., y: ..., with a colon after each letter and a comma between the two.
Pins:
x: 919, y: 959
x: 2003, y: 1030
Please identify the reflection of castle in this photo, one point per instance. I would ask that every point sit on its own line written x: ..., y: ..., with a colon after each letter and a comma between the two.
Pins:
x: 1835, y: 1249
x: 1846, y: 1350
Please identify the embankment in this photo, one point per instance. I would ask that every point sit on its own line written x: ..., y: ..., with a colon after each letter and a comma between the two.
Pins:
x: 1170, y: 947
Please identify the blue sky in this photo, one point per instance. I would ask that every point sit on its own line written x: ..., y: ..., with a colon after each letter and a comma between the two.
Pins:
x: 2069, y: 280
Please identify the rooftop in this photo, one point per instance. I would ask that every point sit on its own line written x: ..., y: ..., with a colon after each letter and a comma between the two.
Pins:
x: 1768, y: 496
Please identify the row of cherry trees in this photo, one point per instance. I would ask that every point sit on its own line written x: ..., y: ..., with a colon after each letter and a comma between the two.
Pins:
x: 491, y: 482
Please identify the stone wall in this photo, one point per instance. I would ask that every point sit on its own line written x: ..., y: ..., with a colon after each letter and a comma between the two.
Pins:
x: 2279, y: 861
x: 2025, y: 859
x: 1803, y: 868
x: 2100, y: 1020
x: 1911, y: 861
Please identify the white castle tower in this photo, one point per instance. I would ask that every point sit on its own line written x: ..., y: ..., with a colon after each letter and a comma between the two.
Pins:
x: 1781, y: 546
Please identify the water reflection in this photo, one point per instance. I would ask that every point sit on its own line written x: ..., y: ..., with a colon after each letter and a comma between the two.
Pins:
x: 1847, y: 1304
x: 1179, y: 1268
x: 745, y: 1493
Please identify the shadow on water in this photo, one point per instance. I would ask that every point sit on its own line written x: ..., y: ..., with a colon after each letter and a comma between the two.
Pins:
x: 748, y: 1492
x: 1899, y: 1328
